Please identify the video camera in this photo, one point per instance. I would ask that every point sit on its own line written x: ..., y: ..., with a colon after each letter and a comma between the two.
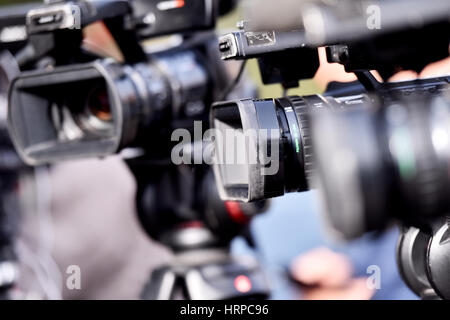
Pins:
x: 89, y: 106
x: 298, y: 139
x: 376, y: 151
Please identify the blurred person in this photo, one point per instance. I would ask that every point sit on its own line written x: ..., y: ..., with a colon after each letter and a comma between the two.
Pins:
x: 96, y: 228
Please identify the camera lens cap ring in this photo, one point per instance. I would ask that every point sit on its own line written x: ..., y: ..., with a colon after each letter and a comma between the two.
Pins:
x: 411, y: 256
x: 438, y: 261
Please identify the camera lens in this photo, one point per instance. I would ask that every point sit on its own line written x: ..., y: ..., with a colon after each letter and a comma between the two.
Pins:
x: 96, y: 116
x: 98, y: 104
x: 263, y: 147
x: 382, y: 163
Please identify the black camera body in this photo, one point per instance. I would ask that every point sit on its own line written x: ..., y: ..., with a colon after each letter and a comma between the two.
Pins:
x: 89, y: 106
x: 388, y: 160
x: 377, y: 152
x: 184, y: 15
x: 99, y: 108
x: 299, y: 142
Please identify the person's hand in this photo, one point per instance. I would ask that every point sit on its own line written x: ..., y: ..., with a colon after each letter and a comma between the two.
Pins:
x: 325, y: 275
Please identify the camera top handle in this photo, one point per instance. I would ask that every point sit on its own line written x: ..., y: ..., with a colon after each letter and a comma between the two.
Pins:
x: 56, y: 30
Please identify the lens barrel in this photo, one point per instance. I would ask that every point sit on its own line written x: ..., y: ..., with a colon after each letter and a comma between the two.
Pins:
x: 263, y: 147
x: 99, y: 108
x: 391, y: 161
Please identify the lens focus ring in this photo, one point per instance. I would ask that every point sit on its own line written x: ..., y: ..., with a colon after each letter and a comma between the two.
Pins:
x: 303, y: 110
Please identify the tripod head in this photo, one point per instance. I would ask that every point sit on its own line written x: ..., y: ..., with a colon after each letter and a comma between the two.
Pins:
x: 179, y: 206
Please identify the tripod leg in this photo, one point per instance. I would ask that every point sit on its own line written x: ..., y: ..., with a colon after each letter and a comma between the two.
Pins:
x: 161, y: 285
x: 225, y: 280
